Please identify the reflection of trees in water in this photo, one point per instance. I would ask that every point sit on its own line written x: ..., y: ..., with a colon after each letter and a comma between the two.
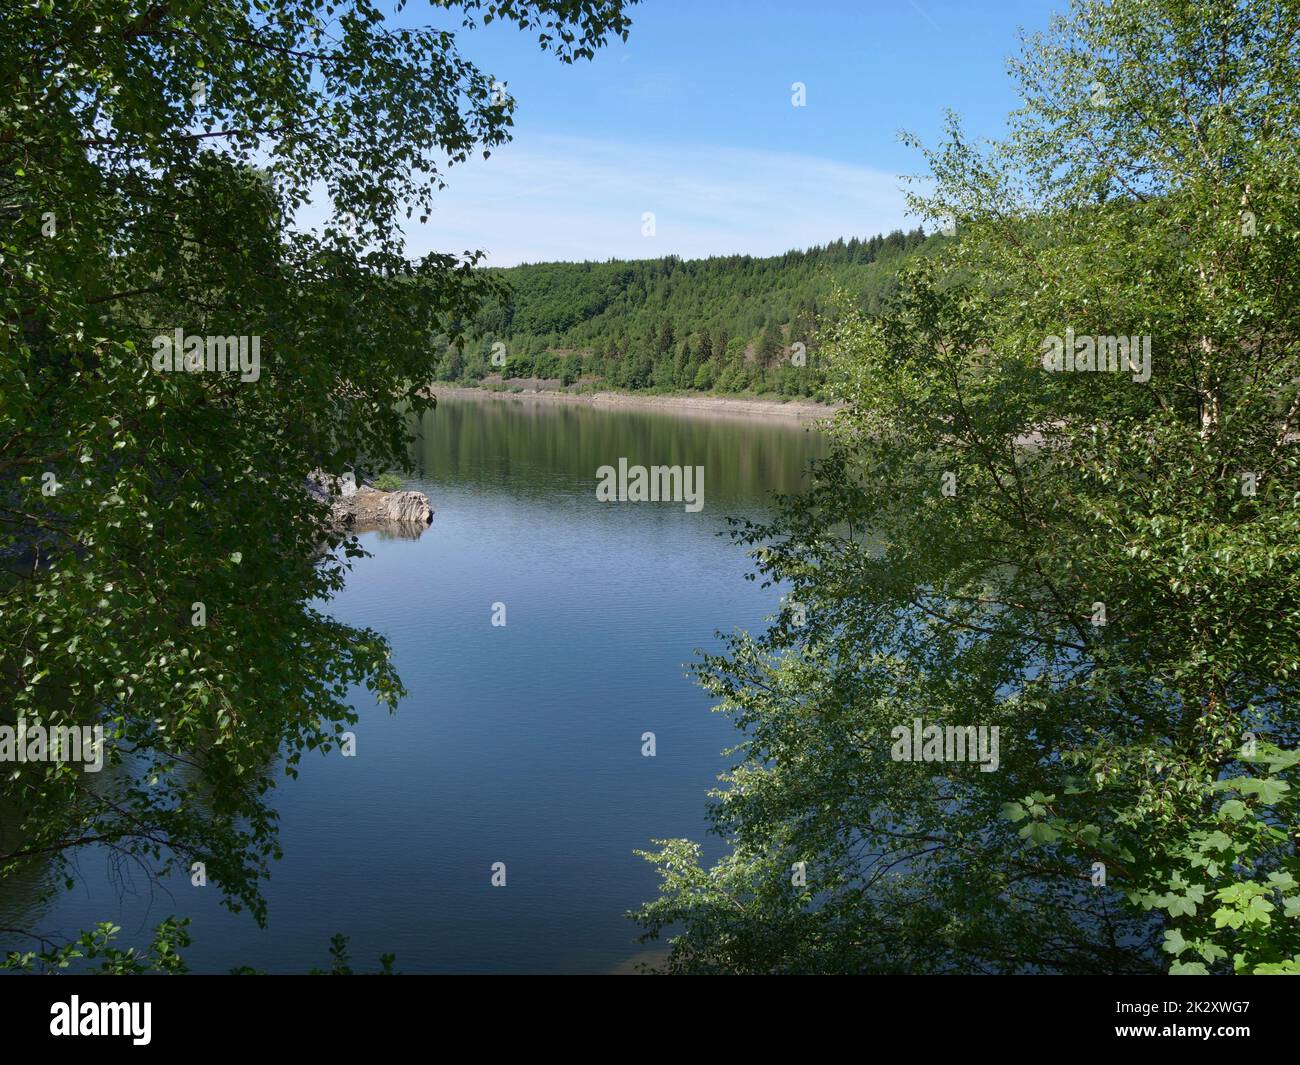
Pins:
x: 135, y: 854
x: 194, y: 786
x: 472, y: 440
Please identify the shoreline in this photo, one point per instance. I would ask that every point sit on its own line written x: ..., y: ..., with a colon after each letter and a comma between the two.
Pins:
x: 801, y: 410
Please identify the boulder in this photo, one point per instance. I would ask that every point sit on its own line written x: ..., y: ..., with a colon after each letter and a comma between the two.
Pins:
x: 409, y: 508
x: 362, y: 507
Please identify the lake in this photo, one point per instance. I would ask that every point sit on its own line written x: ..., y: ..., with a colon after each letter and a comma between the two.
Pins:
x: 518, y: 743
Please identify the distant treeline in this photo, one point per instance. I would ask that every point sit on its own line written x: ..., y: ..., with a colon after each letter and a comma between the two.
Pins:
x: 725, y: 324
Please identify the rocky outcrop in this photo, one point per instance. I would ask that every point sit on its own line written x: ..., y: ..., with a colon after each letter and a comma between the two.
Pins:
x: 409, y: 507
x: 370, y: 507
x: 363, y: 507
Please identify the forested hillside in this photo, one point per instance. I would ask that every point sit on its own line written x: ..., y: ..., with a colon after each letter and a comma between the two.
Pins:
x: 725, y: 324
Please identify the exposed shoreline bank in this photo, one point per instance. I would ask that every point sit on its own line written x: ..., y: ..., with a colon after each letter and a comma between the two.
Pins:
x: 726, y: 405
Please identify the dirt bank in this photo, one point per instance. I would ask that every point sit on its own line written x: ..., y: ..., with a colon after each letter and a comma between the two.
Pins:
x: 730, y: 405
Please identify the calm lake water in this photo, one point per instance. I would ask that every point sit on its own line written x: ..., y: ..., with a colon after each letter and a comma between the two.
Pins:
x: 518, y: 744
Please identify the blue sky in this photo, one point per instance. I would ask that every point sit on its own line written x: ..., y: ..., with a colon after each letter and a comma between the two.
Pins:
x: 692, y: 121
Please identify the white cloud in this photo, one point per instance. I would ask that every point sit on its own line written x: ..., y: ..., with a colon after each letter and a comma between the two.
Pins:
x: 564, y: 198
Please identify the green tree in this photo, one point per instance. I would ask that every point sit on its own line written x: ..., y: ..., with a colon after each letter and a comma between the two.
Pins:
x: 769, y: 345
x: 587, y: 307
x: 1100, y: 564
x: 161, y: 551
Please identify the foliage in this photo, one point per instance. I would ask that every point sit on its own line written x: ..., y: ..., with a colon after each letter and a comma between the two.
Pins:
x: 160, y: 551
x: 1234, y: 849
x: 1103, y: 567
x: 342, y: 965
x: 725, y: 324
x: 163, y: 955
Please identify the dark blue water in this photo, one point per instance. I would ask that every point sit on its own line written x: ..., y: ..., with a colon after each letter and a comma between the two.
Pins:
x: 518, y: 744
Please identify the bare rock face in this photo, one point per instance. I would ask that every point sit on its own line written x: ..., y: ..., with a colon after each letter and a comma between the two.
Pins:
x: 363, y: 507
x: 409, y: 508
x: 373, y: 509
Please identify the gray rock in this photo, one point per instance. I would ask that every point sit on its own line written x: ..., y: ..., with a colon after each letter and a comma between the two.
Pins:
x: 321, y: 484
x: 409, y: 508
x: 359, y: 507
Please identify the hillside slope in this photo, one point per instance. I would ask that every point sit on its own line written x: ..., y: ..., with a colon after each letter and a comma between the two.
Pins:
x: 726, y: 324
